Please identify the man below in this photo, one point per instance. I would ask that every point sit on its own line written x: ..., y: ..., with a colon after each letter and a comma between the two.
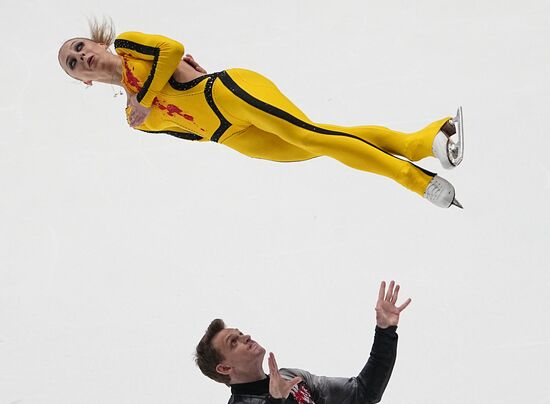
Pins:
x: 228, y: 356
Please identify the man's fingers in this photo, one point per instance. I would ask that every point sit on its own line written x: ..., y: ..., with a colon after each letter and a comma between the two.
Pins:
x: 273, y: 368
x: 271, y: 364
x: 395, y: 294
x: 382, y: 291
x: 390, y: 291
x: 404, y: 305
x: 274, y: 362
x: 295, y: 381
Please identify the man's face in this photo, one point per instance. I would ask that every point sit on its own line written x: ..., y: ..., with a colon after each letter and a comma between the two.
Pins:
x: 242, y: 355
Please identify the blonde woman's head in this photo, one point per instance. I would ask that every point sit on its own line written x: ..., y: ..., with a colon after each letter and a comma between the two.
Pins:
x: 87, y: 59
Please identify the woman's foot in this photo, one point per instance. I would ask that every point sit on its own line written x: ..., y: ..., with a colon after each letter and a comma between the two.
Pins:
x: 448, y: 152
x: 441, y: 193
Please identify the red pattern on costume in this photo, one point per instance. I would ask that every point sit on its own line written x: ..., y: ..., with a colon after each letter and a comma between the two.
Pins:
x: 172, y: 109
x: 301, y: 394
x: 130, y: 78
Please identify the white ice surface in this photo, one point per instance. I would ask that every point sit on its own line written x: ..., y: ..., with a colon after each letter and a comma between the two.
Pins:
x: 118, y: 247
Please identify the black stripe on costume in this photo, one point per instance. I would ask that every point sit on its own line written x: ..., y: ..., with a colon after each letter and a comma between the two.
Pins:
x: 279, y: 113
x: 181, y: 135
x: 177, y: 85
x: 224, y: 123
x: 146, y: 50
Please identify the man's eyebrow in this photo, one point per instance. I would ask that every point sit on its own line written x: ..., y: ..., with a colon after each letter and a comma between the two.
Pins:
x: 67, y: 59
x: 228, y: 336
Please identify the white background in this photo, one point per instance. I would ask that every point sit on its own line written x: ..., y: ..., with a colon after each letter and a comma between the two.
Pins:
x: 118, y: 247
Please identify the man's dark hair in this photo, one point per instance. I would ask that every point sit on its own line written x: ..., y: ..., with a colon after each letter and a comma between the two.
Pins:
x: 207, y: 357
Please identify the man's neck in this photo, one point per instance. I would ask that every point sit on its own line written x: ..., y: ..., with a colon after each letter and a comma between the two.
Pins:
x: 249, y: 377
x: 255, y: 388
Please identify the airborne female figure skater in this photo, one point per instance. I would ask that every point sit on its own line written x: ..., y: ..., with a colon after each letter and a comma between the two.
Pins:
x: 245, y: 111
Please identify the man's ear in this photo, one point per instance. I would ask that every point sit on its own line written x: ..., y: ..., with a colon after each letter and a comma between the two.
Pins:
x: 104, y: 46
x: 223, y: 369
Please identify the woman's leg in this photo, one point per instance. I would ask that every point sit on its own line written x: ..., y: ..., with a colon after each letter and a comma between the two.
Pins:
x: 413, y: 146
x: 260, y: 144
x: 256, y: 101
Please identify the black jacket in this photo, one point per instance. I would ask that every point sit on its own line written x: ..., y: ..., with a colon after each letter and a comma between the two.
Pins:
x: 365, y: 388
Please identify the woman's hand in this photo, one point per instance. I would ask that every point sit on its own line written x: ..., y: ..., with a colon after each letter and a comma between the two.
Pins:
x: 191, y: 62
x: 138, y: 113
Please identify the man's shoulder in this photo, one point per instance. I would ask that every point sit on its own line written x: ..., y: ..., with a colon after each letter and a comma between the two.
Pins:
x: 289, y: 373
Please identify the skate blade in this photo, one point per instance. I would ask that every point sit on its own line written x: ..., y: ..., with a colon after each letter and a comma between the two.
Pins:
x: 457, y: 204
x: 457, y: 154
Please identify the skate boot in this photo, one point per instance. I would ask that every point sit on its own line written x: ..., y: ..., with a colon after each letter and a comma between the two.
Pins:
x: 440, y: 192
x: 449, y: 152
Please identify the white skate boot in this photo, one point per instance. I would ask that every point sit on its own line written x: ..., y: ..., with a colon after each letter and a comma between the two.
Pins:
x: 441, y: 193
x: 448, y: 152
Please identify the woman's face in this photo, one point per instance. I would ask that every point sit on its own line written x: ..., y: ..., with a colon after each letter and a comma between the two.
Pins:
x: 83, y: 59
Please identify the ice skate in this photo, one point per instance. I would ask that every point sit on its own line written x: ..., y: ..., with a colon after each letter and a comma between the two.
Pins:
x: 449, y: 151
x: 441, y: 193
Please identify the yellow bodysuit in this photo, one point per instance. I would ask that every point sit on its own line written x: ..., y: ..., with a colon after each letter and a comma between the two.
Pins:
x: 245, y: 111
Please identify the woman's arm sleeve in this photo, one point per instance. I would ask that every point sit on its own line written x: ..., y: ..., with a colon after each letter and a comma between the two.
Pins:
x: 165, y: 53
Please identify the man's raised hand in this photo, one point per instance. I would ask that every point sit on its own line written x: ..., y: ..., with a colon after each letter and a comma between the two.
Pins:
x: 387, y: 313
x: 279, y: 387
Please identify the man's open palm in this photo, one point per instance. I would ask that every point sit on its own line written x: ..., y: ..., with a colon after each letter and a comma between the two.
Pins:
x: 387, y: 313
x: 279, y: 387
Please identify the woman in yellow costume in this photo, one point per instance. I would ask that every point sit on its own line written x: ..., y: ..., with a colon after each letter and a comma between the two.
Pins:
x: 243, y: 110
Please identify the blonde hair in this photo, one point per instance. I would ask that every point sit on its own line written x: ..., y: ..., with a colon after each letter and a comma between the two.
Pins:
x: 102, y: 31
